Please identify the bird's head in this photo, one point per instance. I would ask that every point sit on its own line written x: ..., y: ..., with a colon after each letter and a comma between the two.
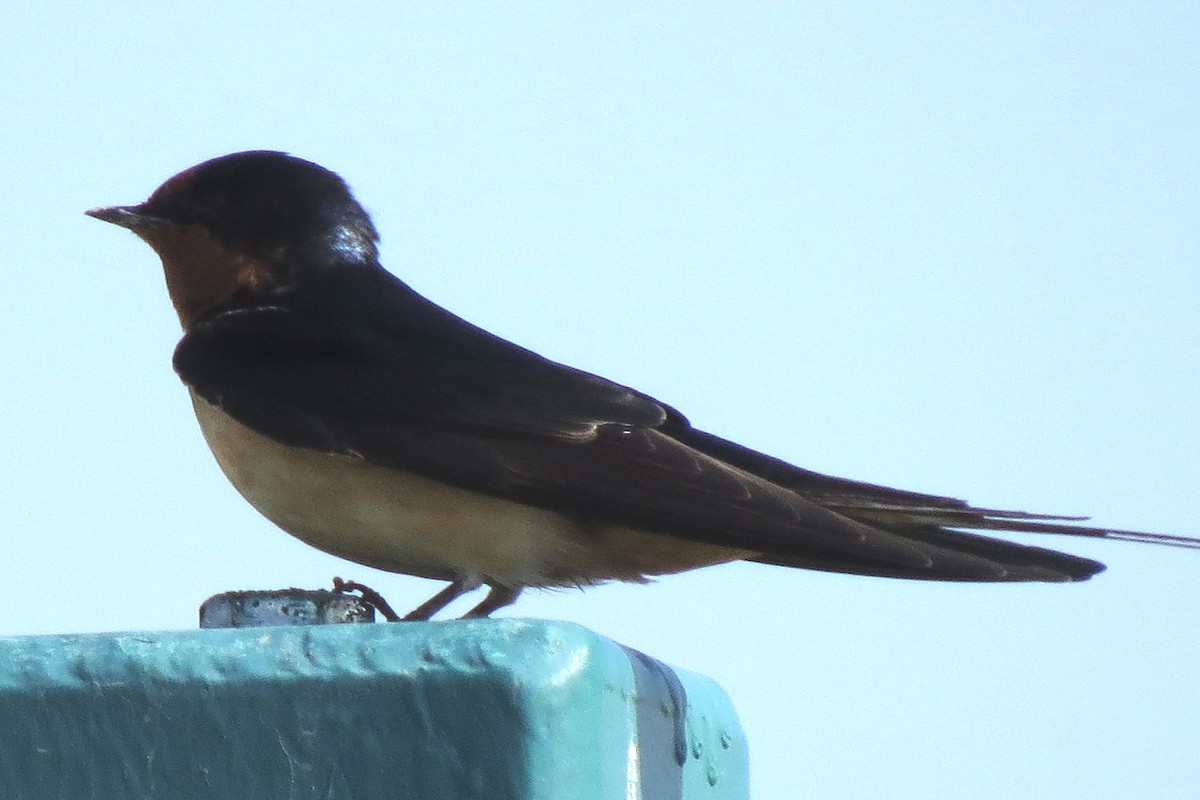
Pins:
x: 250, y: 222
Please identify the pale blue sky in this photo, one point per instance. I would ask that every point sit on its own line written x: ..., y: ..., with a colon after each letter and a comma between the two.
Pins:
x: 944, y: 248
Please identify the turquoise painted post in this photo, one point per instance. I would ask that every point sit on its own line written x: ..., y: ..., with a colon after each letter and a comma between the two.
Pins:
x: 497, y: 709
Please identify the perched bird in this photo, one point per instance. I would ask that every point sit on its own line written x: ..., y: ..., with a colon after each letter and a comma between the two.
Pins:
x: 375, y: 425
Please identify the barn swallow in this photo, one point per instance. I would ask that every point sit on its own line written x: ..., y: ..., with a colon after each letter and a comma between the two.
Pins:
x: 371, y: 423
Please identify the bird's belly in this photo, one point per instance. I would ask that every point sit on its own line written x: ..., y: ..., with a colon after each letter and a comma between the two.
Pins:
x: 402, y: 522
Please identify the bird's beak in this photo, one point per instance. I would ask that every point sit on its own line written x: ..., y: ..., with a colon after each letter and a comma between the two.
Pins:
x: 132, y: 217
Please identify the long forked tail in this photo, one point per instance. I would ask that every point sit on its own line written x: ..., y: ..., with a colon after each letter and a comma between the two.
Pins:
x: 1021, y: 522
x: 954, y: 554
x: 938, y: 526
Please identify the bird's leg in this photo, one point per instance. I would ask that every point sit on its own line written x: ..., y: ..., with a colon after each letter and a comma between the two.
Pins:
x: 498, y: 597
x: 442, y: 599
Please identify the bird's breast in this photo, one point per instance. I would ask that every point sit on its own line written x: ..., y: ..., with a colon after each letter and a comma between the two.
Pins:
x: 403, y: 522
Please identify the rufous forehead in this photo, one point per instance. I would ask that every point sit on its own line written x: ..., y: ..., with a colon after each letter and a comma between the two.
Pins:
x: 178, y: 184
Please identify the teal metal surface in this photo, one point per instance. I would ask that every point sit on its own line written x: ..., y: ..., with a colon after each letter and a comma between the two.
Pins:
x: 496, y: 709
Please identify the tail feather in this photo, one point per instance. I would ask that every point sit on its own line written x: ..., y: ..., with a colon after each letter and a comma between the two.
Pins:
x: 954, y: 556
x: 993, y: 519
x: 936, y: 525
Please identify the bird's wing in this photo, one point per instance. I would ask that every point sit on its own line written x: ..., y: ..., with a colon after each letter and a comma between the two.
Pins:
x: 362, y: 366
